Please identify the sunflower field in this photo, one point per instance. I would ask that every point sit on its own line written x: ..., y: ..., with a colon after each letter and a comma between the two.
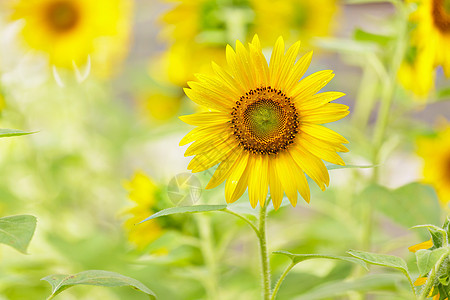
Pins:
x: 225, y: 149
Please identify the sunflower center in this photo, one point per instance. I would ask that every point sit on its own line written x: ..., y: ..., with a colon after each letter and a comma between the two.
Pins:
x: 264, y: 121
x: 62, y: 16
x: 441, y: 15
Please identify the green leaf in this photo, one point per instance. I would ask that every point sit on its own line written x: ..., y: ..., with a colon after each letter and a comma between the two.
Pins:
x: 185, y: 209
x: 384, y: 260
x: 444, y: 279
x: 369, y: 283
x: 336, y: 167
x: 362, y: 35
x: 13, y: 132
x: 408, y: 205
x: 94, y: 277
x: 17, y: 231
x: 296, y: 258
x: 438, y: 235
x: 427, y: 259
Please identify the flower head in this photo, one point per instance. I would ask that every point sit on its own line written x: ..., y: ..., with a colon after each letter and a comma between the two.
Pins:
x: 143, y: 191
x: 263, y: 125
x: 429, y: 41
x: 435, y: 152
x: 70, y: 31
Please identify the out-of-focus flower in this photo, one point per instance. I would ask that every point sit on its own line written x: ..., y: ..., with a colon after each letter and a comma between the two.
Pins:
x: 159, y: 105
x: 435, y: 152
x: 416, y: 73
x: 143, y: 191
x: 198, y: 30
x: 271, y: 135
x: 429, y: 41
x: 293, y: 19
x: 72, y: 31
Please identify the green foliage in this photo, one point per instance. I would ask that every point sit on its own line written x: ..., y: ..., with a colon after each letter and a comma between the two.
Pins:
x: 427, y: 259
x: 399, y: 204
x: 186, y: 209
x: 336, y: 167
x: 438, y: 235
x: 297, y: 258
x: 61, y: 282
x: 389, y: 261
x: 13, y: 132
x: 17, y: 231
x: 365, y: 36
x: 369, y: 283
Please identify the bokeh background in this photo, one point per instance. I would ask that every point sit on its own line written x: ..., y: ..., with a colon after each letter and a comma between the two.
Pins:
x: 101, y: 84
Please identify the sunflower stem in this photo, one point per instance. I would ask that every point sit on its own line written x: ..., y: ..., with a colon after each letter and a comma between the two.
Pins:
x: 264, y: 253
x: 281, y: 279
x: 432, y: 278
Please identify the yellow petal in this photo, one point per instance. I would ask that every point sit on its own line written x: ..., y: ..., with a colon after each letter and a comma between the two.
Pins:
x: 226, y: 166
x: 276, y: 189
x: 420, y: 281
x: 209, y: 159
x: 206, y: 118
x: 275, y: 61
x: 258, y: 180
x: 323, y: 133
x: 317, y: 100
x: 261, y: 67
x: 242, y: 185
x: 424, y: 245
x: 297, y: 72
x: 325, y: 114
x: 233, y: 179
x: 311, y: 85
x: 311, y: 165
x: 209, y: 96
x: 202, y: 132
x: 286, y: 176
x: 326, y: 153
x: 287, y: 64
x: 219, y: 87
x: 243, y: 59
x: 214, y: 142
x: 228, y: 79
x: 236, y: 69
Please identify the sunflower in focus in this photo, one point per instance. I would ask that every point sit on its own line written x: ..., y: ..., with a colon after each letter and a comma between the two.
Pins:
x: 429, y: 41
x: 71, y: 31
x: 143, y: 191
x: 435, y: 152
x: 263, y: 124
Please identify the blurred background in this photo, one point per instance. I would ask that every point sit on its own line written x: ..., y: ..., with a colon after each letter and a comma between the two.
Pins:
x: 101, y: 83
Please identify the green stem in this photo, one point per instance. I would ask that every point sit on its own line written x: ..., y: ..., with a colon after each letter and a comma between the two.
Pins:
x: 207, y: 249
x: 264, y: 253
x: 281, y: 279
x: 432, y: 277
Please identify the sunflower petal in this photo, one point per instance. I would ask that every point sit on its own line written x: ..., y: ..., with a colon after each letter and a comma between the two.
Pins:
x: 233, y: 179
x: 226, y: 166
x: 326, y: 114
x: 297, y: 72
x: 275, y: 62
x: 311, y: 85
x: 276, y: 189
x: 258, y: 181
x: 286, y: 176
x: 323, y: 133
x: 206, y: 118
x: 317, y: 100
x: 311, y: 165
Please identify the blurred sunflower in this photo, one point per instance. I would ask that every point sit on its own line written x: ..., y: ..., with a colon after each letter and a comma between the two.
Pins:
x: 143, y: 191
x: 263, y: 124
x: 70, y: 31
x: 429, y: 39
x: 435, y: 152
x: 197, y: 30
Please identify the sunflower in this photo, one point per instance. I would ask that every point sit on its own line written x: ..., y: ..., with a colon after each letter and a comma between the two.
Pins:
x: 143, y: 191
x: 435, y: 152
x: 263, y: 125
x: 429, y: 40
x: 70, y: 31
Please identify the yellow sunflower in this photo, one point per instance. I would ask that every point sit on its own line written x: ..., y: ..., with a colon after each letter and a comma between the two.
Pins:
x: 263, y: 125
x: 435, y: 152
x: 143, y: 191
x: 73, y: 30
x: 429, y: 40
